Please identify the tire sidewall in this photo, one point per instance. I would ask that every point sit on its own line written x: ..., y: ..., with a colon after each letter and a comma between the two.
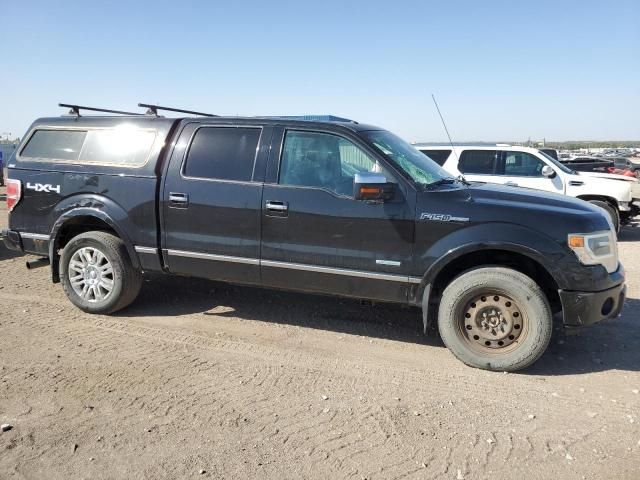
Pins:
x: 112, y: 256
x: 531, y: 302
x: 612, y: 212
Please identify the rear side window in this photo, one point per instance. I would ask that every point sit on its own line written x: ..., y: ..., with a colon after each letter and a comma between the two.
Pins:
x: 55, y: 145
x: 223, y: 153
x: 438, y: 156
x: 122, y: 146
x: 119, y: 146
x: 478, y: 161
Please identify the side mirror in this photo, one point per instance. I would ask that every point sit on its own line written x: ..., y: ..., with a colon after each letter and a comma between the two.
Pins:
x: 372, y: 186
x: 548, y: 172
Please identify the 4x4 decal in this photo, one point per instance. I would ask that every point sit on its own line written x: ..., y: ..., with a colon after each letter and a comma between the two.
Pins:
x: 39, y: 187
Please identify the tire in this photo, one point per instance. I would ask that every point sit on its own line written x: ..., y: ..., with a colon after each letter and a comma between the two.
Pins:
x: 500, y: 306
x: 111, y: 267
x: 613, y: 213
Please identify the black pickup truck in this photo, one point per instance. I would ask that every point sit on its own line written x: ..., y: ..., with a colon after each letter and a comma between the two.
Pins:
x: 322, y: 206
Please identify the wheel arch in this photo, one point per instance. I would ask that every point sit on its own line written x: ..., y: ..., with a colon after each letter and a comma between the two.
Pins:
x: 518, y: 257
x: 603, y: 198
x: 80, y: 220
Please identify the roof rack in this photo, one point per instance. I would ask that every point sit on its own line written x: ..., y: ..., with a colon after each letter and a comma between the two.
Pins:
x: 153, y: 110
x: 315, y: 118
x: 75, y: 110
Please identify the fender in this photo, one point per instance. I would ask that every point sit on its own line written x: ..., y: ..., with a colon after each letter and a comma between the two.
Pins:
x: 508, y: 237
x: 88, y: 206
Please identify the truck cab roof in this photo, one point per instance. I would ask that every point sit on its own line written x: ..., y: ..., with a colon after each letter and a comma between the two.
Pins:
x: 112, y: 120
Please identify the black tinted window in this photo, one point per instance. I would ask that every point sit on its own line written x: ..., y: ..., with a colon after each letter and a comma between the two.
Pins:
x: 224, y: 153
x: 621, y: 162
x: 477, y: 161
x: 55, y: 144
x: 438, y: 156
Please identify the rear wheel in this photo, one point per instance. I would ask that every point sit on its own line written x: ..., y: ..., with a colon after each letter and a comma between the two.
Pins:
x: 613, y: 213
x: 495, y: 318
x: 96, y: 273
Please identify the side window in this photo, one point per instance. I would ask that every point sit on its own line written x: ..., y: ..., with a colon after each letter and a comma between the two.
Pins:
x: 118, y: 146
x: 322, y: 160
x: 478, y: 161
x: 55, y: 145
x: 121, y: 146
x: 522, y: 164
x: 223, y: 153
x: 438, y: 156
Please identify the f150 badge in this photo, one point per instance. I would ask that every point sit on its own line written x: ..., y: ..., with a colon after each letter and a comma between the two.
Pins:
x: 442, y: 217
x: 39, y: 187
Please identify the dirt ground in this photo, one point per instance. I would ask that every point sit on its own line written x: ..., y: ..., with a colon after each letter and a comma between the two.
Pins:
x: 204, y: 380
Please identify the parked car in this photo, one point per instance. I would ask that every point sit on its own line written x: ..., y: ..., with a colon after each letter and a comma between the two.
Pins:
x: 588, y: 164
x: 530, y: 168
x: 338, y: 208
x: 626, y: 164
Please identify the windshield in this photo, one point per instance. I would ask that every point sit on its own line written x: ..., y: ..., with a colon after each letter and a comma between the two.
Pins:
x: 420, y: 168
x: 561, y: 166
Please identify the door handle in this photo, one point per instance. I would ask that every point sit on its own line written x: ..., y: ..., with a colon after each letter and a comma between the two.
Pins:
x: 279, y: 208
x: 511, y: 184
x: 179, y: 199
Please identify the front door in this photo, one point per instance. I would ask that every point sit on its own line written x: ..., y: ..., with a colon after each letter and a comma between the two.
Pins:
x: 212, y: 202
x: 525, y: 170
x: 316, y: 237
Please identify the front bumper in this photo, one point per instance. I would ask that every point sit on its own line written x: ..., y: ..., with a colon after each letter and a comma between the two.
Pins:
x: 624, y: 206
x: 586, y: 308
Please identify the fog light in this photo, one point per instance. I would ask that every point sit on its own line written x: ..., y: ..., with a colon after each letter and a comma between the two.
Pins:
x: 607, y: 306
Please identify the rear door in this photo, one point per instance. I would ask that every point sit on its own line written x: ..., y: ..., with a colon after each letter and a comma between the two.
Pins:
x: 479, y: 165
x: 211, y: 201
x: 316, y: 237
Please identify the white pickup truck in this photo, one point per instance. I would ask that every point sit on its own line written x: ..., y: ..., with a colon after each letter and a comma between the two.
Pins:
x: 531, y: 168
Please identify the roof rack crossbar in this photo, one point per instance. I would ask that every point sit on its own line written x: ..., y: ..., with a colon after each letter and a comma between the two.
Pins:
x: 153, y: 110
x: 75, y: 110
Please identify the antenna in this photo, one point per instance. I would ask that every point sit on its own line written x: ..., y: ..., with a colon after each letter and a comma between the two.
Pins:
x: 153, y: 110
x: 75, y: 110
x: 445, y: 127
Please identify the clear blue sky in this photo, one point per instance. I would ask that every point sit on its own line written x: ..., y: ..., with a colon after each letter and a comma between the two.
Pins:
x: 501, y: 70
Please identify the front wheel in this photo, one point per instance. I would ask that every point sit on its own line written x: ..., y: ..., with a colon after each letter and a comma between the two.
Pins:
x: 495, y: 318
x: 96, y: 273
x: 612, y: 212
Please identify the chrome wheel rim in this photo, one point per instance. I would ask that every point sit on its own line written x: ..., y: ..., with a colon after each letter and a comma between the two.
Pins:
x: 492, y: 323
x: 91, y: 274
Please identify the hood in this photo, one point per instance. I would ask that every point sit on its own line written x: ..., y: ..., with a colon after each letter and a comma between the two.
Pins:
x: 553, y: 214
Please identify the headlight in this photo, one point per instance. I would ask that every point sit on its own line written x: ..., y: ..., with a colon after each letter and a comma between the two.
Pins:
x: 599, y: 248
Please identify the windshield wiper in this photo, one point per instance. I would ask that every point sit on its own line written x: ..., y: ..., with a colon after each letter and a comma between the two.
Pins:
x: 442, y: 181
x: 448, y: 181
x: 463, y: 180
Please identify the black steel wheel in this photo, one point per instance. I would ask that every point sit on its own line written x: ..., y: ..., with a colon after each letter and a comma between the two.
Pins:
x: 495, y: 318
